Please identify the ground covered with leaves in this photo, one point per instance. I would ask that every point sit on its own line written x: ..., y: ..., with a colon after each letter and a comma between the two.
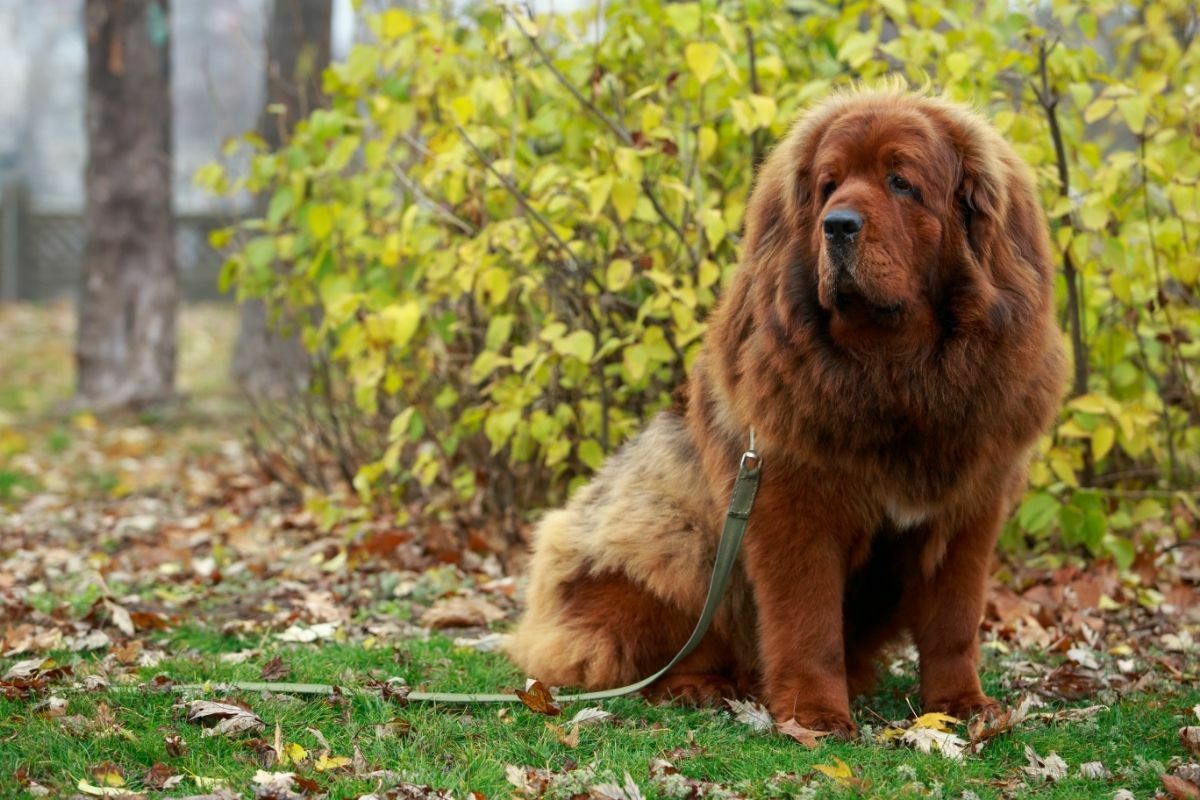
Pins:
x: 143, y: 555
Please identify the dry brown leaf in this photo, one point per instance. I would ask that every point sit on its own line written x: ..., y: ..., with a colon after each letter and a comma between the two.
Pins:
x: 275, y: 670
x: 157, y: 776
x: 805, y: 736
x: 537, y: 698
x: 461, y: 612
x: 570, y: 739
x: 1180, y: 789
x: 1189, y: 737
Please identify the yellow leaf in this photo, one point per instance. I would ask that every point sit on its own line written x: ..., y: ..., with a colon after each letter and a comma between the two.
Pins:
x: 620, y: 271
x: 320, y: 221
x: 764, y: 109
x: 935, y: 721
x: 402, y: 320
x: 396, y: 23
x: 1102, y: 441
x: 598, y: 191
x: 652, y: 117
x: 858, y: 48
x: 579, y: 344
x: 326, y: 763
x: 710, y: 273
x: 101, y: 791
x: 463, y: 108
x: 708, y: 143
x: 293, y: 753
x: 744, y: 116
x: 1098, y: 110
x: 1133, y: 109
x: 624, y: 198
x: 840, y: 771
x: 591, y: 454
x: 957, y: 64
x: 629, y: 163
x: 714, y: 226
x: 1089, y: 404
x: 701, y: 58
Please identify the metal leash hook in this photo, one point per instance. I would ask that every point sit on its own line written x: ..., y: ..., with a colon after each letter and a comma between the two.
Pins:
x: 751, y: 459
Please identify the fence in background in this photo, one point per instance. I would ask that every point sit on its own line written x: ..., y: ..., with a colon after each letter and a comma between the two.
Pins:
x: 41, y: 251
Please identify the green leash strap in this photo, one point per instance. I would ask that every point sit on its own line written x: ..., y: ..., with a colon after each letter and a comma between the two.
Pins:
x: 736, y: 518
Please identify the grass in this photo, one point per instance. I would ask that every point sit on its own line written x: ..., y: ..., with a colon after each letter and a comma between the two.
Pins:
x: 469, y: 749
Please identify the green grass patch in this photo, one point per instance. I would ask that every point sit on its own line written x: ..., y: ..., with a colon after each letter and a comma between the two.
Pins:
x: 468, y: 749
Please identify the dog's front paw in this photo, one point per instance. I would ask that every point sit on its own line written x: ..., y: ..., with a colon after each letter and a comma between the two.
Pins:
x: 826, y: 720
x: 964, y: 706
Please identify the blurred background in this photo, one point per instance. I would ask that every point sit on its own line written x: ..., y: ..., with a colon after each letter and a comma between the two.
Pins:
x: 436, y: 260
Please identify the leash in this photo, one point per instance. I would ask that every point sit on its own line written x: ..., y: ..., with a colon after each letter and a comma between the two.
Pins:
x: 741, y: 502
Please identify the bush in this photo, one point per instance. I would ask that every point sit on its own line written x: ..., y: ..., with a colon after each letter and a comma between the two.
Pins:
x: 511, y: 230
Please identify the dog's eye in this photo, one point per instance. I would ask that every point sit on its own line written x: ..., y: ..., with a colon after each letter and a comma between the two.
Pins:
x: 899, y: 185
x: 828, y: 188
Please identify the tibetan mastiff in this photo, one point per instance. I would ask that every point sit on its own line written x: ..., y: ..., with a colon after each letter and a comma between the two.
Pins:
x: 890, y: 335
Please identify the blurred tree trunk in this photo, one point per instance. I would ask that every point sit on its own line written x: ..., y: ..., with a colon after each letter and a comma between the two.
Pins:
x: 125, y: 351
x: 266, y: 360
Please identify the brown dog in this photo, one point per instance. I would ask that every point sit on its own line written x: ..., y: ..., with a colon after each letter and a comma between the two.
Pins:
x: 890, y: 335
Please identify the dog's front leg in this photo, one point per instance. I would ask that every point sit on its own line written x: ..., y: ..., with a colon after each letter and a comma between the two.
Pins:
x: 797, y: 565
x: 948, y: 607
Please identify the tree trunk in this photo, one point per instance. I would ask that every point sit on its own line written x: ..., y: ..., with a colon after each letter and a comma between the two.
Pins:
x: 268, y: 361
x: 126, y: 344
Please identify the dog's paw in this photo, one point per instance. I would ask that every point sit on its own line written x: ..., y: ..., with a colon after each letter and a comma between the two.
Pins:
x: 706, y: 691
x: 965, y: 706
x: 834, y: 723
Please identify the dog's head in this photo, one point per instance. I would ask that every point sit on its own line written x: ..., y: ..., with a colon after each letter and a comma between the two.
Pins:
x: 896, y: 204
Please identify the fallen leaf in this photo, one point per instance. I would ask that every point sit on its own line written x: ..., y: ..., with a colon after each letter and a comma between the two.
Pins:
x: 1189, y: 737
x: 158, y: 776
x: 1051, y: 768
x: 611, y: 791
x: 570, y: 739
x: 934, y: 720
x: 223, y: 718
x: 749, y: 713
x: 537, y: 698
x: 928, y: 740
x: 105, y: 791
x: 488, y: 643
x: 275, y: 670
x: 461, y: 612
x: 805, y: 736
x: 1179, y: 789
x: 591, y: 716
x: 1094, y: 771
x: 985, y: 727
x: 176, y: 747
x: 120, y: 618
x: 839, y: 771
x: 303, y: 634
x: 108, y: 774
x: 327, y: 763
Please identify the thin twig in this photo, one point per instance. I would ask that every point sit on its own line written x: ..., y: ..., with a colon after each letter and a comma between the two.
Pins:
x: 517, y: 195
x: 1048, y: 99
x: 433, y: 204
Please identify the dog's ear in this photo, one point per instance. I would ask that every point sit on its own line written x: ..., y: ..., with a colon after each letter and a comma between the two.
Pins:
x: 982, y: 196
x: 779, y: 205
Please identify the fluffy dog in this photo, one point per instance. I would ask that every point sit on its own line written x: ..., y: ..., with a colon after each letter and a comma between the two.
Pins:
x: 890, y: 334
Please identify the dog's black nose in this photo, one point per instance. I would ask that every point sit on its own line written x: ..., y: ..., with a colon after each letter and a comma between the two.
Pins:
x: 842, y: 224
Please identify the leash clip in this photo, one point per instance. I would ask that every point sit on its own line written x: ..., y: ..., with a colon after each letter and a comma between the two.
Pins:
x: 751, y: 460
